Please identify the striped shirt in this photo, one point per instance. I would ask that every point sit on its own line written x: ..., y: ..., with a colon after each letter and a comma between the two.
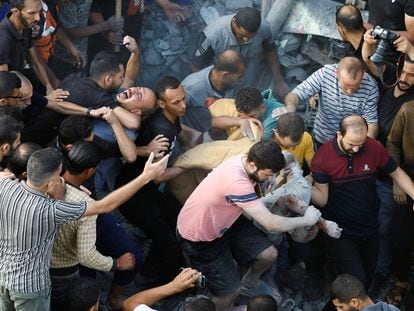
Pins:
x: 28, y: 225
x: 75, y: 241
x: 334, y: 104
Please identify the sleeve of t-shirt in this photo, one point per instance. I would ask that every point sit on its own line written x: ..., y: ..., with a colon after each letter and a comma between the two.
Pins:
x: 65, y: 212
x: 241, y: 192
x: 317, y: 168
x: 96, y: 7
x: 408, y: 7
x: 371, y: 107
x: 38, y: 99
x: 204, y: 53
x: 387, y: 164
x: 308, y: 147
x: 311, y: 86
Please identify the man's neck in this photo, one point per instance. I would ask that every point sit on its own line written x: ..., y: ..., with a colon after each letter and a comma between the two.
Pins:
x: 215, y: 81
x: 170, y: 117
x: 397, y: 92
x: 41, y: 189
x: 16, y: 22
x: 77, y: 181
x: 355, y: 39
x: 366, y: 303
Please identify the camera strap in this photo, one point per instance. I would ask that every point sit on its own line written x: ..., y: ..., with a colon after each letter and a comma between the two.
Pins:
x: 380, y: 70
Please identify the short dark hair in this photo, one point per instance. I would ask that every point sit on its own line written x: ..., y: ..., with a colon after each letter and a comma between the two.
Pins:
x: 17, y: 163
x: 349, y: 17
x: 266, y: 155
x: 12, y: 111
x: 166, y: 83
x: 229, y: 60
x: 346, y: 287
x: 10, y: 128
x: 291, y: 125
x: 8, y: 83
x: 248, y: 99
x: 82, y: 294
x: 17, y: 4
x: 105, y: 62
x: 73, y: 129
x: 262, y: 303
x: 353, y: 121
x: 249, y: 19
x: 83, y: 155
x: 201, y: 304
x: 42, y: 165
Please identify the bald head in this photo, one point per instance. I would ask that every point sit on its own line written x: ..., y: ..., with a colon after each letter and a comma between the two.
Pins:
x: 26, y: 89
x: 350, y: 73
x: 351, y: 66
x: 354, y: 124
x: 231, y: 61
x: 349, y: 18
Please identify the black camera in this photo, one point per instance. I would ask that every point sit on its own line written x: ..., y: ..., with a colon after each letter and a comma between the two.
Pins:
x: 386, y: 38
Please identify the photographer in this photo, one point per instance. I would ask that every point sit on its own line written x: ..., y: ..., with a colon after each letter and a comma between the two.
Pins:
x: 369, y: 48
x: 186, y: 279
x: 389, y: 104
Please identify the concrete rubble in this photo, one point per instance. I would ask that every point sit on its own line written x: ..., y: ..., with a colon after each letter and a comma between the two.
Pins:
x: 306, y: 37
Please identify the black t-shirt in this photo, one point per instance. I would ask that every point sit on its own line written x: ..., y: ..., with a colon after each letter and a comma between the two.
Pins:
x: 155, y: 125
x: 389, y: 14
x: 86, y: 92
x: 388, y: 107
x: 13, y: 45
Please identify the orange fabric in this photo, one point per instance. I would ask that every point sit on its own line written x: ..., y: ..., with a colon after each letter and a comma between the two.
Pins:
x: 45, y: 45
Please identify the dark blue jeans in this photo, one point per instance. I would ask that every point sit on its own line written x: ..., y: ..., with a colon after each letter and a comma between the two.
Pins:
x: 385, y: 215
x: 112, y: 240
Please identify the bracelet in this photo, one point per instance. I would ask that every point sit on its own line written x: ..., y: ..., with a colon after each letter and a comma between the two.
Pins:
x: 88, y: 112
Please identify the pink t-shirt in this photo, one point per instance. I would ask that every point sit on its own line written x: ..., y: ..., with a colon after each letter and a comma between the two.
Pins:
x: 217, y: 202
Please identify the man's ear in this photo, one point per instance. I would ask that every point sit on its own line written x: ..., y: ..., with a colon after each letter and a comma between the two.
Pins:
x: 108, y: 79
x: 354, y: 302
x: 15, y: 11
x: 5, y: 148
x: 251, y: 167
x: 3, y: 101
x: 161, y: 103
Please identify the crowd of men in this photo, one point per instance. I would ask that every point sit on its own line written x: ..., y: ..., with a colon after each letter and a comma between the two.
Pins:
x: 192, y: 164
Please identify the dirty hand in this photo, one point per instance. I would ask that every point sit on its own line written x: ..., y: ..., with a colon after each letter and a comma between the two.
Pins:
x: 313, y: 101
x: 153, y: 170
x: 58, y: 95
x: 403, y: 45
x: 311, y: 216
x: 130, y: 44
x: 80, y: 61
x: 245, y: 129
x: 114, y: 24
x: 114, y: 37
x: 331, y: 228
x: 56, y: 189
x: 125, y: 262
x: 159, y: 145
x: 400, y: 197
x: 7, y: 174
x: 186, y: 279
x: 110, y: 116
x: 99, y: 112
x: 369, y: 38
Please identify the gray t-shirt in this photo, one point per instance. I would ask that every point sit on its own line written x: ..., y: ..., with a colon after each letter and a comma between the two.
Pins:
x: 198, y: 88
x: 73, y: 14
